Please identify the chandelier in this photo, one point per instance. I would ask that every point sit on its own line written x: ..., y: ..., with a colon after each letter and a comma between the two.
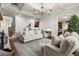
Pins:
x: 42, y: 11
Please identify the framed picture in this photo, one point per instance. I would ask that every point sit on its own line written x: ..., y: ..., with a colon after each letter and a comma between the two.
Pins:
x: 36, y: 24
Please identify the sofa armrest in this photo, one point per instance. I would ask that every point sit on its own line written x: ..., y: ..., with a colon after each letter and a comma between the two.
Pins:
x: 53, y: 47
x: 50, y: 50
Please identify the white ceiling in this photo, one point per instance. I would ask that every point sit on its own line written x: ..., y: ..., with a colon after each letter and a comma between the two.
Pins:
x: 54, y: 6
x: 47, y: 6
x: 27, y: 9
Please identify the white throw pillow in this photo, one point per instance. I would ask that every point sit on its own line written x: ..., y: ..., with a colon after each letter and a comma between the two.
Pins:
x: 31, y: 32
x: 66, y: 34
x: 75, y: 34
x: 61, y: 36
x: 55, y: 40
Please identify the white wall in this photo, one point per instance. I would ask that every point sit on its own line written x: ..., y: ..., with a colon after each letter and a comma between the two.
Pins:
x: 45, y: 23
x: 49, y: 22
x: 21, y: 22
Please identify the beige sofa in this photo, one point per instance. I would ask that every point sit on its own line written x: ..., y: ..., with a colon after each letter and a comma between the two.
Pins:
x: 66, y: 47
x: 31, y: 35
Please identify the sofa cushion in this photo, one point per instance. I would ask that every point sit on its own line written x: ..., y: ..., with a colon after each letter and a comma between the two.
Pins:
x: 55, y: 40
x: 31, y: 32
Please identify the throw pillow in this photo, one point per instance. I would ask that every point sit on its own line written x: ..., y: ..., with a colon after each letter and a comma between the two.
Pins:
x: 66, y: 34
x: 75, y: 34
x: 55, y: 41
x: 61, y: 36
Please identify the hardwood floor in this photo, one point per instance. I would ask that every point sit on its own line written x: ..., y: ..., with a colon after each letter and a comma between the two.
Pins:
x: 32, y: 48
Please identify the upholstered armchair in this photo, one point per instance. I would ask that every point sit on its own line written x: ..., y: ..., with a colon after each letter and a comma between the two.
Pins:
x: 67, y: 47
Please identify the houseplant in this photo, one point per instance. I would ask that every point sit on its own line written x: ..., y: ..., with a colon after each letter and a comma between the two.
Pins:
x: 73, y: 24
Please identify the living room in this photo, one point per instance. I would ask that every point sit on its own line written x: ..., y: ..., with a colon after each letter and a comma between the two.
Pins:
x: 39, y: 29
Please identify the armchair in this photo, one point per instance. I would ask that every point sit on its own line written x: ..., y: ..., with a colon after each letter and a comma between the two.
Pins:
x: 66, y: 48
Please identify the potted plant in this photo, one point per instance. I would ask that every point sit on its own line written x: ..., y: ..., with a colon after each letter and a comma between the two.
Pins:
x: 73, y: 24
